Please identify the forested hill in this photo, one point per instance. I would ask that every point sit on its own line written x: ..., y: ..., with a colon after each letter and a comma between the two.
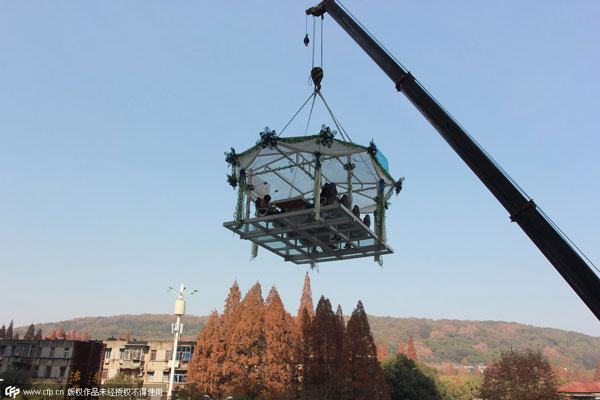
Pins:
x: 437, y: 341
x: 441, y: 341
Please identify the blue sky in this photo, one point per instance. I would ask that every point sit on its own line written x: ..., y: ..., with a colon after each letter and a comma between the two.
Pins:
x: 114, y: 117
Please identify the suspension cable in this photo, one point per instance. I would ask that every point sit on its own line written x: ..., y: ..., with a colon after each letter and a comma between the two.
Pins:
x: 297, y: 112
x: 335, y: 120
x: 311, y: 110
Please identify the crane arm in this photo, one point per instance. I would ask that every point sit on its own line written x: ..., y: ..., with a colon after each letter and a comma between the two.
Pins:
x: 522, y: 210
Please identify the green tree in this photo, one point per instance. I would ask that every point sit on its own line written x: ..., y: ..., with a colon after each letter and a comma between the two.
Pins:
x: 50, y: 385
x: 408, y: 380
x: 462, y: 387
x: 15, y: 377
x: 520, y: 376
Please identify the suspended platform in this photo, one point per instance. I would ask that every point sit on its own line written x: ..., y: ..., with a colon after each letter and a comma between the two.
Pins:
x: 299, y: 237
x: 313, y: 197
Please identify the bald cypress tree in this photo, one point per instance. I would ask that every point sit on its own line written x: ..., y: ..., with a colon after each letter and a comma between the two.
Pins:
x: 401, y: 349
x: 38, y: 335
x: 321, y: 367
x: 278, y: 368
x: 221, y: 351
x: 384, y: 348
x: 302, y: 348
x: 231, y: 303
x: 411, y: 352
x: 306, y: 299
x: 342, y: 371
x: 204, y: 367
x: 30, y: 334
x: 9, y: 332
x: 246, y: 345
x: 2, y: 331
x: 366, y: 375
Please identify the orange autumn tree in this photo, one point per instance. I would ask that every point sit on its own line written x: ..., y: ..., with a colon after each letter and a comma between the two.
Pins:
x: 210, y: 369
x: 306, y: 299
x: 280, y: 340
x: 245, y: 345
x: 203, y: 366
x: 411, y: 352
x: 255, y: 349
x: 450, y: 369
x: 366, y: 376
x: 227, y: 323
x: 401, y: 349
x: 384, y: 349
x: 302, y: 344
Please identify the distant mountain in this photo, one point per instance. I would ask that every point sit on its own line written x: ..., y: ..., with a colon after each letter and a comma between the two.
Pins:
x: 149, y: 326
x: 437, y: 341
x: 442, y: 341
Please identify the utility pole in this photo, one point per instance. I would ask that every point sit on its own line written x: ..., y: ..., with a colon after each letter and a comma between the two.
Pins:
x: 177, y: 330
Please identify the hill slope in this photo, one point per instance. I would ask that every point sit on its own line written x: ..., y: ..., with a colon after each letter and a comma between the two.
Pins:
x: 437, y: 341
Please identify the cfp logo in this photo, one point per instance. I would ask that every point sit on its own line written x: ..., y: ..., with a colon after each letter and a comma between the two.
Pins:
x: 12, y: 391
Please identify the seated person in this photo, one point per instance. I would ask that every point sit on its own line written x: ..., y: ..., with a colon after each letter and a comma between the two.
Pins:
x: 328, y: 194
x: 367, y: 220
x: 332, y: 194
x: 344, y: 200
x: 356, y: 211
x: 265, y: 207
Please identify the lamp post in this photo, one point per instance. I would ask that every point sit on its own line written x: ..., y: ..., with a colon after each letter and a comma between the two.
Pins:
x: 177, y: 329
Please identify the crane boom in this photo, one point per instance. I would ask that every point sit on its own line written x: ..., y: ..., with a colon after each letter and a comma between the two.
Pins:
x: 522, y: 210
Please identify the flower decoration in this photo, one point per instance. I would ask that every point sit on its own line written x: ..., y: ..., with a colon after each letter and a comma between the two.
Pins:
x: 398, y: 186
x: 326, y: 136
x: 232, y: 158
x: 372, y: 149
x: 268, y: 138
x: 232, y: 180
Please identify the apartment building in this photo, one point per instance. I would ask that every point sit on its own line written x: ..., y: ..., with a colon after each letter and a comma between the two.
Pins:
x: 53, y: 360
x: 148, y: 361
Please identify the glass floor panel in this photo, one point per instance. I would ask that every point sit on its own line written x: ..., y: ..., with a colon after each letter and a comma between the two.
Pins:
x: 300, y: 238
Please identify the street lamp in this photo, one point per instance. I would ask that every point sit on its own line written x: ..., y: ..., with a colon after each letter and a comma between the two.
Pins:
x: 177, y: 330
